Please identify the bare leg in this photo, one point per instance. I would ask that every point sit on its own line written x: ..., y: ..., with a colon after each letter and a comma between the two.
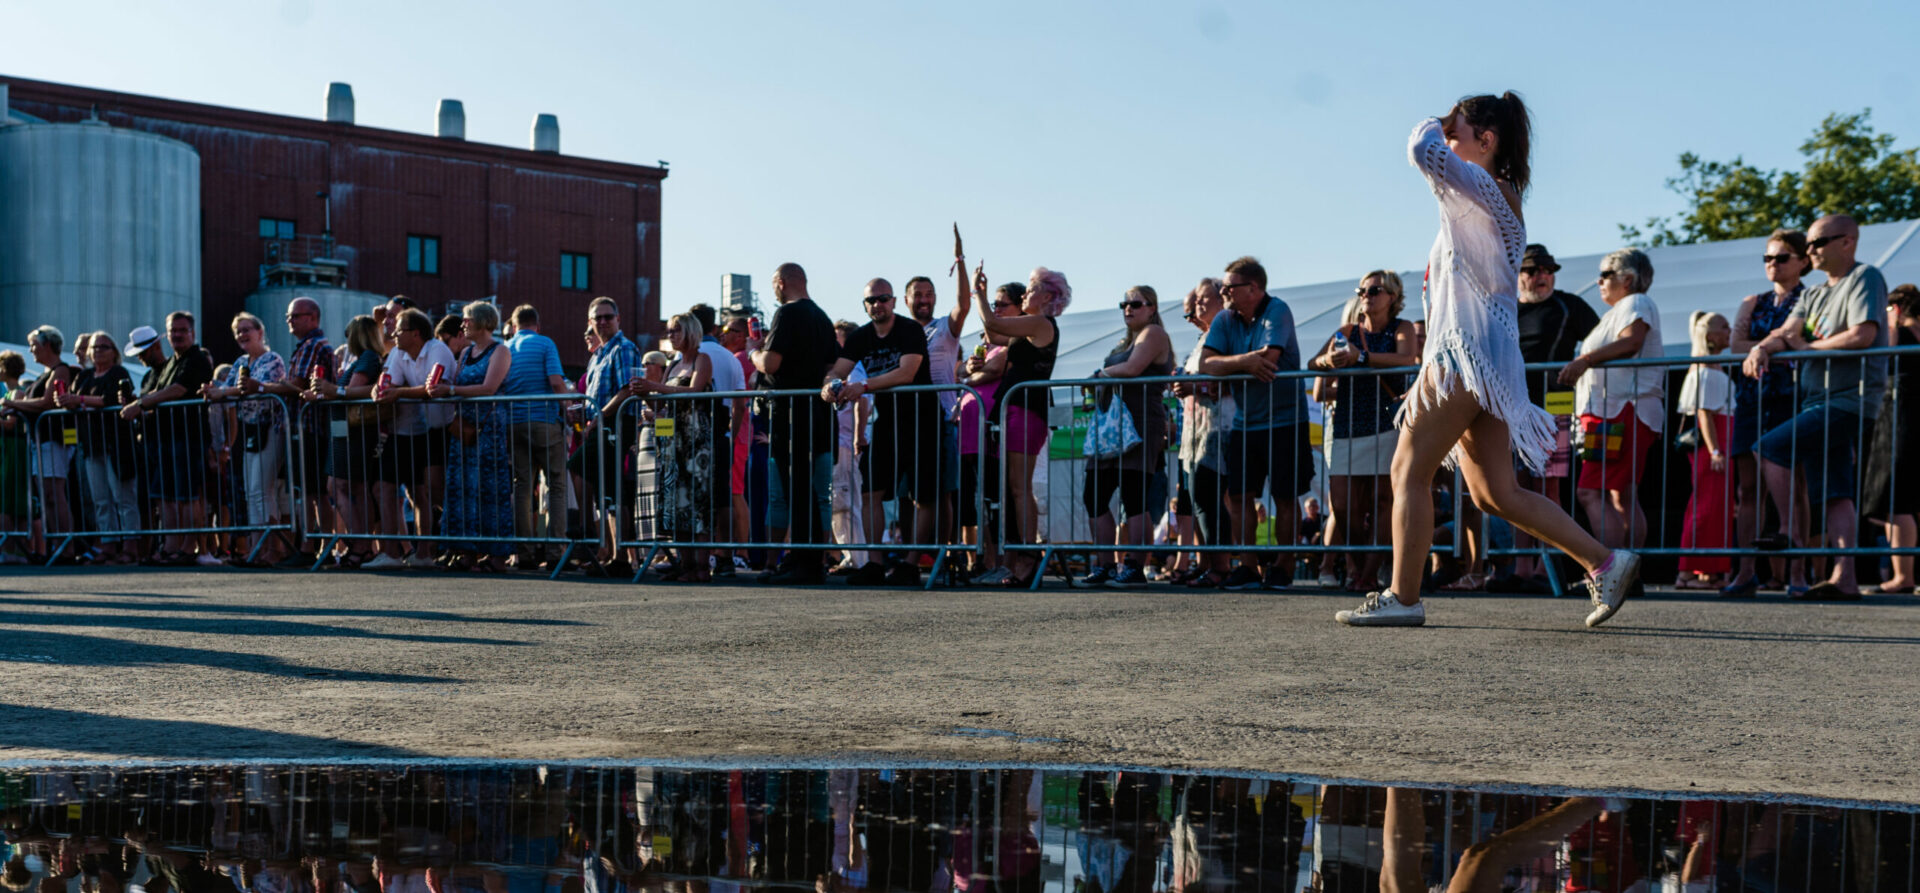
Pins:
x: 1404, y: 835
x: 1422, y: 448
x: 1779, y: 482
x: 1105, y: 533
x: 1488, y: 471
x: 1901, y: 534
x: 1841, y: 523
x: 1378, y: 505
x: 1026, y: 512
x: 1339, y: 492
x: 1136, y: 534
x: 1746, y: 513
x: 1626, y: 503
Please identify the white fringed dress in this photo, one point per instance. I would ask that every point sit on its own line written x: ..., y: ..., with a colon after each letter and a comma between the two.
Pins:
x: 1473, y: 339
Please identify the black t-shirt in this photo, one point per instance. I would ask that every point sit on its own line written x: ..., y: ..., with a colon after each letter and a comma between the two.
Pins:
x: 1550, y: 332
x: 191, y: 369
x: 802, y: 335
x: 101, y: 430
x: 881, y: 355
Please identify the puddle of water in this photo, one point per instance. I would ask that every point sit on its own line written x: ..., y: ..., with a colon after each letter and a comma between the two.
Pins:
x: 585, y: 828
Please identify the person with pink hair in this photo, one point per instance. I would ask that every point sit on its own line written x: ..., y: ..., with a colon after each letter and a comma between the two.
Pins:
x: 1032, y: 340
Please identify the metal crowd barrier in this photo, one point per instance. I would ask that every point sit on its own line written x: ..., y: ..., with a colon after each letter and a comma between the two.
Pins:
x: 154, y: 476
x: 1132, y: 488
x: 681, y: 444
x: 1693, y: 512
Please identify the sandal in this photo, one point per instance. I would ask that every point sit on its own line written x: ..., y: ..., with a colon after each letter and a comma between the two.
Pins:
x: 1211, y: 579
x: 351, y: 560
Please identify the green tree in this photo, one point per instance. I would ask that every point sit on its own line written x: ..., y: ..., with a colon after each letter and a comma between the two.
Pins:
x: 1849, y: 170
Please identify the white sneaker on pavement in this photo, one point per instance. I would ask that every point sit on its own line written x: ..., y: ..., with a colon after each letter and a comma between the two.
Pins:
x: 420, y: 562
x: 383, y: 562
x: 1612, y: 583
x: 1384, y: 609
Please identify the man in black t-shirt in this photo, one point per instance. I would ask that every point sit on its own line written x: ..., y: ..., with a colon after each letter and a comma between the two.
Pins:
x: 798, y: 351
x: 1552, y: 324
x: 902, y: 459
x: 178, y: 448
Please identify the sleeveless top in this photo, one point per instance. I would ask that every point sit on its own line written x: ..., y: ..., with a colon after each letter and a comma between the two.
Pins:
x: 1148, y: 409
x: 1769, y: 312
x: 1367, y: 402
x: 1025, y: 362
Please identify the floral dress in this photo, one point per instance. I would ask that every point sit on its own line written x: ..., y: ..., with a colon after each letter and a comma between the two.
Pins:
x: 687, y: 469
x: 480, y: 474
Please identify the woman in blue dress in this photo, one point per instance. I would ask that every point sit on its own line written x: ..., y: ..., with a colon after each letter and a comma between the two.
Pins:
x: 479, y: 467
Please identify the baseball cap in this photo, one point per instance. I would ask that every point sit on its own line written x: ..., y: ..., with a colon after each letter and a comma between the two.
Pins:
x: 141, y: 338
x: 1539, y: 256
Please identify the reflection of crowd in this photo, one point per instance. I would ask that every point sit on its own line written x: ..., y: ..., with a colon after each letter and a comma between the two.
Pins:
x: 627, y: 830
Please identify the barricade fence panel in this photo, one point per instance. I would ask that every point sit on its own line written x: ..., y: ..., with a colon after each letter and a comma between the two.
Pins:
x: 183, y: 477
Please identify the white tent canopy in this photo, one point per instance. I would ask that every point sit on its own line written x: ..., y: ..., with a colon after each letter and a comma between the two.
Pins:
x: 1709, y: 276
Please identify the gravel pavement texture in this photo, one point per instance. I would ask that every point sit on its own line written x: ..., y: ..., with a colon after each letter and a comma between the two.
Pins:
x: 1678, y: 692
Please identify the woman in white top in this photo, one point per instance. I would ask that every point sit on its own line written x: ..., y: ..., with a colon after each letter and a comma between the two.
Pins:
x: 1622, y: 409
x: 1470, y: 399
x: 1707, y: 397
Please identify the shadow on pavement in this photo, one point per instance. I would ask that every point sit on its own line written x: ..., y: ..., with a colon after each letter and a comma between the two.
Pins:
x: 75, y: 731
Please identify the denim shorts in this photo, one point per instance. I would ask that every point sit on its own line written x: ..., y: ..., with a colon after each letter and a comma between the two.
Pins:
x: 1820, y: 442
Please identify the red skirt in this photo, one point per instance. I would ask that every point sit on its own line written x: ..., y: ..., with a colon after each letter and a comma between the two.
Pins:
x: 1710, y: 511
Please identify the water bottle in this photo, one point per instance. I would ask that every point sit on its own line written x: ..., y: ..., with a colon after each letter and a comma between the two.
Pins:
x: 1340, y: 342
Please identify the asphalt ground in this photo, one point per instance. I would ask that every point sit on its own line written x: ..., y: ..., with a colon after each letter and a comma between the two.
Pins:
x: 1677, y: 693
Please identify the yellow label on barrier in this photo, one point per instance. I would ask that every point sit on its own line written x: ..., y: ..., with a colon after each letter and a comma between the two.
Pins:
x: 1560, y: 402
x: 70, y: 436
x: 663, y: 427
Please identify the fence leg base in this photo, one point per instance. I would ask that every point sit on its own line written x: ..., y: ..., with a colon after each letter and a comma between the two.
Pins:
x: 561, y: 565
x: 645, y: 563
x: 259, y: 542
x: 54, y: 553
x: 939, y: 561
x: 326, y: 549
x: 1040, y: 569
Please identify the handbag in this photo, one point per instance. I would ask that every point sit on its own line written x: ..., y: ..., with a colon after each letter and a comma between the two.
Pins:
x: 1112, y: 432
x: 1689, y: 439
x: 370, y: 413
x: 1601, y: 439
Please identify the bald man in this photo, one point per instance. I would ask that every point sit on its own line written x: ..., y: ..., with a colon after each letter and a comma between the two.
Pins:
x: 309, y: 472
x: 1838, y: 399
x: 798, y: 351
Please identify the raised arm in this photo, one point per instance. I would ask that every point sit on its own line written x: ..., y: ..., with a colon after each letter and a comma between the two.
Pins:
x: 1427, y: 150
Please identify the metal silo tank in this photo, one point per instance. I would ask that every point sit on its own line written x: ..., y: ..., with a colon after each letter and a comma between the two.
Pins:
x: 99, y: 229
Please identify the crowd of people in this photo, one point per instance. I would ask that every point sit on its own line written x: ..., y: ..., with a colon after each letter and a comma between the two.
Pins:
x: 524, y: 829
x: 399, y: 447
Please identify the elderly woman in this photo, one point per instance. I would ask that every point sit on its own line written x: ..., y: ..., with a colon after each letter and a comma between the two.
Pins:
x: 1622, y: 410
x: 107, y: 451
x: 1033, y: 342
x: 479, y: 460
x: 1360, y: 450
x: 261, y: 437
x: 1208, y: 412
x: 1706, y: 396
x: 354, y: 434
x: 1761, y: 405
x: 51, y: 452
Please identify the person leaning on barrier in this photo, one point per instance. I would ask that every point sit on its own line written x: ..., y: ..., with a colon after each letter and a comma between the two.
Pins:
x: 797, y: 354
x: 16, y: 457
x: 109, y: 456
x: 689, y: 472
x: 1268, y: 445
x: 1759, y: 405
x: 261, y: 439
x: 1622, y: 409
x: 943, y: 363
x: 849, y: 498
x: 415, y: 456
x: 731, y: 423
x: 1033, y: 345
x: 478, y: 467
x: 1362, y: 438
x: 599, y: 460
x: 354, y: 441
x: 178, y: 450
x: 539, y: 443
x: 1208, y: 414
x: 902, y: 462
x: 51, y: 454
x: 1144, y: 351
x: 1892, y: 479
x: 311, y: 351
x: 1838, y: 399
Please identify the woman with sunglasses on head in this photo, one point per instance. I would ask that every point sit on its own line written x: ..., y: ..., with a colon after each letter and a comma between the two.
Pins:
x: 1033, y: 342
x: 1361, y: 442
x: 1144, y: 350
x: 1469, y: 403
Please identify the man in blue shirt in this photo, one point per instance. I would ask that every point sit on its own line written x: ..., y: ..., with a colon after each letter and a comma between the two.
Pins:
x: 539, y: 444
x: 609, y: 372
x: 1268, y: 444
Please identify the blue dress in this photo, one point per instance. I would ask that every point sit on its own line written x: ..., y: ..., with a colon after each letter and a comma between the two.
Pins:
x: 480, y: 474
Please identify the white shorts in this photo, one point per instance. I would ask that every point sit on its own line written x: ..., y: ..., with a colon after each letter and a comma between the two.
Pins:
x: 1362, y: 456
x: 55, y: 459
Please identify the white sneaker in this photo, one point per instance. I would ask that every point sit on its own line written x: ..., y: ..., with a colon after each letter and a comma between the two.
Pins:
x: 420, y: 562
x: 383, y: 562
x: 206, y: 560
x: 1611, y: 585
x: 1383, y: 609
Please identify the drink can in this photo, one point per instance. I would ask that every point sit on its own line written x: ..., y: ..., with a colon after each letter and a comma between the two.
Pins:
x: 318, y: 372
x: 59, y: 388
x: 433, y: 378
x: 756, y: 328
x: 386, y: 382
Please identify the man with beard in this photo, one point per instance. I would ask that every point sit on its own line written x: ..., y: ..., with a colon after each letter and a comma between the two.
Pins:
x: 943, y: 360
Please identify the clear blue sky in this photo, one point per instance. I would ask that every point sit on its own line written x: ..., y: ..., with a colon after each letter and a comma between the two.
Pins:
x: 1119, y: 142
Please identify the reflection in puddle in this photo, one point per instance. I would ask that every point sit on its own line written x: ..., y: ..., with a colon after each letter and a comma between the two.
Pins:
x: 530, y: 829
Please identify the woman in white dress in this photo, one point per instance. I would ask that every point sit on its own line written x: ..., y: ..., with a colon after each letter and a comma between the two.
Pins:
x: 1469, y: 404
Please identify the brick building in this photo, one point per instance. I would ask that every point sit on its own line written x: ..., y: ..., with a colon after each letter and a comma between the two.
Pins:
x: 434, y: 217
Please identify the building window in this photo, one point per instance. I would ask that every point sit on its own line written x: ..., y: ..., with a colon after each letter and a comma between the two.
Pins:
x: 275, y: 228
x: 576, y: 270
x: 423, y: 255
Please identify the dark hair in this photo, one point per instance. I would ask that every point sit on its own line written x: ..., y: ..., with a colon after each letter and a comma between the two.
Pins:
x: 12, y: 363
x: 1013, y: 291
x: 179, y: 315
x: 448, y: 325
x: 1795, y: 239
x: 908, y: 288
x: 1906, y: 297
x: 524, y: 315
x: 704, y: 313
x: 1250, y: 268
x: 414, y: 320
x: 1507, y: 116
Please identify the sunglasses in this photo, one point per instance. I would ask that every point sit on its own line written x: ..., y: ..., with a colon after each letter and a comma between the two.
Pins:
x: 1002, y: 305
x: 1607, y: 274
x: 1370, y: 291
x: 1823, y: 240
x: 1226, y: 288
x: 1776, y: 258
x: 1132, y: 305
x: 606, y: 317
x: 877, y: 299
